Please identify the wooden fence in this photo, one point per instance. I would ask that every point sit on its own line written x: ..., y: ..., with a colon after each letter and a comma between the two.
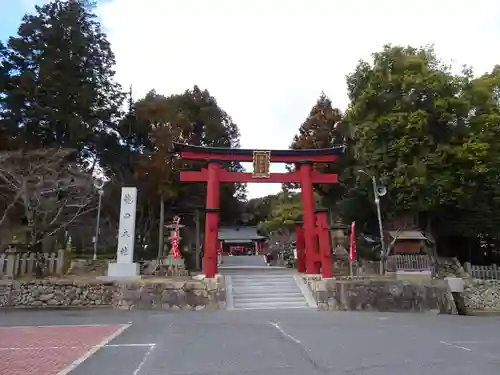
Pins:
x: 410, y: 262
x: 491, y: 272
x: 22, y: 264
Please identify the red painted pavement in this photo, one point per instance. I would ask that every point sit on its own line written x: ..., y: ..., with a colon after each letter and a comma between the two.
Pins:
x: 47, y: 350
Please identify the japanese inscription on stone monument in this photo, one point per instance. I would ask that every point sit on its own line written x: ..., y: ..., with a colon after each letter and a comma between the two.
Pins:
x: 124, y: 250
x: 126, y: 231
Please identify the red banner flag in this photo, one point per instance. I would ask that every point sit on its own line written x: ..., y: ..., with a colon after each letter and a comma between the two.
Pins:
x: 175, y: 240
x: 175, y: 247
x: 352, y: 250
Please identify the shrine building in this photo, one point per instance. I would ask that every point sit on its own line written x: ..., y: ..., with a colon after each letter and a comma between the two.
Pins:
x: 241, y: 240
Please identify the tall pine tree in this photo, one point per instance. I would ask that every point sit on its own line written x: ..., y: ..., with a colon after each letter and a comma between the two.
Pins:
x: 60, y: 90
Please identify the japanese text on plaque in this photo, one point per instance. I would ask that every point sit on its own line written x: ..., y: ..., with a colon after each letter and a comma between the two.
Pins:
x: 261, y: 164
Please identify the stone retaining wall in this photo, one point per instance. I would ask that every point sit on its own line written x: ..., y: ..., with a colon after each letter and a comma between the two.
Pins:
x: 381, y: 295
x: 144, y: 294
x: 172, y: 295
x: 482, y: 295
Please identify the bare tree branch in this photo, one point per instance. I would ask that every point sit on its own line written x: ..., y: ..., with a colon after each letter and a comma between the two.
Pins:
x: 65, y: 224
x: 9, y: 207
x: 51, y: 188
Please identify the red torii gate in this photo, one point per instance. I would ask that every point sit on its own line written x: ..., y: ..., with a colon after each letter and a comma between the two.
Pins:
x: 313, y: 242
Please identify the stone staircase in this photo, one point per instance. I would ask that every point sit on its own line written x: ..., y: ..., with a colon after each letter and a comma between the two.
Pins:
x: 267, y: 288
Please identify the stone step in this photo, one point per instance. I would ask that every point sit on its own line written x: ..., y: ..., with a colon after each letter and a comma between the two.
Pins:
x: 270, y: 277
x: 266, y: 292
x: 263, y: 284
x: 254, y: 271
x: 285, y: 281
x: 267, y: 295
x: 270, y: 305
x: 262, y: 280
x: 256, y: 291
x: 267, y: 299
x: 262, y: 277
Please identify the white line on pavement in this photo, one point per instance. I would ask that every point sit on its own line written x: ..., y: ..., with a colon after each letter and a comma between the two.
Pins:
x: 455, y: 346
x: 469, y: 342
x: 93, y: 350
x: 276, y: 325
x: 144, y: 359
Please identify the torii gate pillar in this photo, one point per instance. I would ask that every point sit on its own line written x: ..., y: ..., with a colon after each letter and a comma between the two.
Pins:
x: 323, y: 236
x: 313, y: 262
x: 300, y: 248
x: 212, y: 220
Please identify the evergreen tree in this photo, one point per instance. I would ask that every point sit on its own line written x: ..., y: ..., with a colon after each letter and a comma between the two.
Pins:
x: 5, y: 133
x: 61, y: 89
x: 323, y: 129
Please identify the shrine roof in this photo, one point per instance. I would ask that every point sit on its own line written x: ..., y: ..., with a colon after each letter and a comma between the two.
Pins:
x: 239, y: 233
x: 183, y: 147
x: 407, y: 235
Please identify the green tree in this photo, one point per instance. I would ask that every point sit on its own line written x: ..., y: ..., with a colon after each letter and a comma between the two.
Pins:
x: 5, y: 135
x: 193, y: 117
x: 286, y: 210
x: 143, y: 156
x: 257, y: 210
x: 61, y: 89
x: 323, y: 128
x: 430, y: 136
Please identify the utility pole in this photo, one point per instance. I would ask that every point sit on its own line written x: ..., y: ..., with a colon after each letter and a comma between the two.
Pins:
x: 198, y: 247
x: 376, y: 194
x: 99, y: 186
x: 160, y: 229
x: 378, y: 191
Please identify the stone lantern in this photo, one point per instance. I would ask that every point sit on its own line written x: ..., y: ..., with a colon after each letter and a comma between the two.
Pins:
x: 339, y: 239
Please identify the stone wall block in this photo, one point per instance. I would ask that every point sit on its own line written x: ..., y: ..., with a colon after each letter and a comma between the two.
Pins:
x: 197, y: 285
x: 174, y: 285
x: 482, y: 295
x: 197, y: 297
x: 165, y: 294
x: 173, y: 297
x: 382, y: 295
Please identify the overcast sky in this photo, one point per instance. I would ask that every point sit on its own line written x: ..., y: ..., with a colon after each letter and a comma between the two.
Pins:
x: 267, y: 61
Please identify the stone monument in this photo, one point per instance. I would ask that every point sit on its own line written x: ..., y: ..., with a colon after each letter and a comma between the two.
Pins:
x: 125, y: 268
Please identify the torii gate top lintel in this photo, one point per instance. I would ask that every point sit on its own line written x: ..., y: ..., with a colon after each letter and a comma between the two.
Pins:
x: 322, y: 155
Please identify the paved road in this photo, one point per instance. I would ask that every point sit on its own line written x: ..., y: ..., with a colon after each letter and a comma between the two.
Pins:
x: 276, y: 342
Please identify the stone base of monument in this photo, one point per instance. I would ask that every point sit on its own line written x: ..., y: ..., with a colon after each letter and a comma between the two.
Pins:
x: 122, y: 271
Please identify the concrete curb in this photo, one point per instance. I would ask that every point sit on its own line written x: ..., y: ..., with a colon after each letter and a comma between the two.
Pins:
x: 483, y: 313
x: 305, y: 291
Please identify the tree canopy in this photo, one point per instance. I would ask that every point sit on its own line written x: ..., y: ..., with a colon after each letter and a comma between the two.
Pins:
x: 60, y: 89
x: 428, y: 134
x: 57, y: 92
